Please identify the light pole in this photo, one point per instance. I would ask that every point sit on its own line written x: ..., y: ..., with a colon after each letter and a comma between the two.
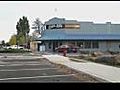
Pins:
x: 26, y: 40
x: 17, y: 41
x: 17, y: 44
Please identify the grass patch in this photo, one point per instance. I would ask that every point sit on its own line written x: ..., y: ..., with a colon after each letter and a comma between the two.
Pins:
x: 93, y: 59
x: 77, y: 57
x: 76, y: 60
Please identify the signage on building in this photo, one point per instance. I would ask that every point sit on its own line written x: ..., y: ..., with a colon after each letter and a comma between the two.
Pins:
x: 61, y: 26
x: 72, y: 26
x: 55, y: 26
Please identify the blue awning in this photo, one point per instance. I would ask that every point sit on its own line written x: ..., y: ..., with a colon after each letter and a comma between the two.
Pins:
x: 62, y: 35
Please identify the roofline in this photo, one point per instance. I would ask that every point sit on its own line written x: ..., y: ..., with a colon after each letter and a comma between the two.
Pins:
x: 81, y: 40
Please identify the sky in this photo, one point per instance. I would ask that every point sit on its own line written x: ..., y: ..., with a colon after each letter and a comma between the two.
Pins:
x: 96, y: 11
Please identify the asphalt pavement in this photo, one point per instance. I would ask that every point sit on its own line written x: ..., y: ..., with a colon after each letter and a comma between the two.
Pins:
x: 32, y: 70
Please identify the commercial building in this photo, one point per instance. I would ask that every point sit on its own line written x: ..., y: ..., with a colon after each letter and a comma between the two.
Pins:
x: 88, y: 36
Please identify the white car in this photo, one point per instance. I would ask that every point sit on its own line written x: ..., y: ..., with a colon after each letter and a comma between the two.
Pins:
x: 14, y: 47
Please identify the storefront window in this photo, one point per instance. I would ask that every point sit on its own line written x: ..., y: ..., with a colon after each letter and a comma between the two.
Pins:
x: 87, y: 44
x: 95, y: 44
x: 60, y: 44
x: 49, y: 45
x: 80, y: 44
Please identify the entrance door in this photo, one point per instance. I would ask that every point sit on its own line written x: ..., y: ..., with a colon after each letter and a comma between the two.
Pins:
x: 55, y: 45
x: 38, y: 47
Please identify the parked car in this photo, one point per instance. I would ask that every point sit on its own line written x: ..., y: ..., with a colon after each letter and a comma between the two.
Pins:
x: 62, y: 48
x: 6, y: 47
x: 14, y: 47
x: 68, y: 48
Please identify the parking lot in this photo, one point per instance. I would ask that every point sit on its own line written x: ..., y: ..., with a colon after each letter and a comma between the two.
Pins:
x: 33, y: 70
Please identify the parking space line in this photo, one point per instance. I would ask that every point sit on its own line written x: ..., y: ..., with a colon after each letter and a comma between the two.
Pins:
x: 28, y: 69
x: 21, y: 64
x: 23, y: 57
x: 51, y: 76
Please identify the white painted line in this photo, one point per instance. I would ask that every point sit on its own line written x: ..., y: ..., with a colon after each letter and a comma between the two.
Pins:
x: 22, y: 64
x: 26, y: 57
x: 38, y: 77
x: 28, y: 69
x: 17, y: 62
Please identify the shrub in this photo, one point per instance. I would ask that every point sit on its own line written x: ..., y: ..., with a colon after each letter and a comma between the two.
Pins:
x: 13, y: 51
x: 106, y: 60
x: 84, y: 52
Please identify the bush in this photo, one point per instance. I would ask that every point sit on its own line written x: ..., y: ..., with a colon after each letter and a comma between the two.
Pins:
x: 106, y: 60
x: 96, y: 53
x: 84, y: 52
x: 13, y: 51
x: 113, y: 52
x: 117, y: 59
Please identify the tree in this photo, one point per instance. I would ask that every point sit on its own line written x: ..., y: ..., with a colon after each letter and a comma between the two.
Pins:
x: 21, y: 40
x: 37, y: 25
x: 22, y: 30
x: 12, y: 40
x: 3, y: 43
x: 7, y: 44
x: 29, y: 40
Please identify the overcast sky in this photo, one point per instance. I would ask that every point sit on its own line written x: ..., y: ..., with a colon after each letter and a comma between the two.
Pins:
x: 98, y: 11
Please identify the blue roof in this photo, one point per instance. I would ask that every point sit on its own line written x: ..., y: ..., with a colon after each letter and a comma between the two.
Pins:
x: 68, y: 35
x: 56, y: 20
x: 87, y: 31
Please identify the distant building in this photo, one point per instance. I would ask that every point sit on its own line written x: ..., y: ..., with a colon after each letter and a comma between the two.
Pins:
x: 88, y: 36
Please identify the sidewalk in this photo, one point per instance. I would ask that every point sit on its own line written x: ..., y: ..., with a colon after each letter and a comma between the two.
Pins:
x: 108, y: 73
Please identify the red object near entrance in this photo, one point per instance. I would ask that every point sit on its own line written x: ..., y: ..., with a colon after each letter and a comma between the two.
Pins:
x: 64, y: 52
x: 68, y: 48
x: 62, y: 48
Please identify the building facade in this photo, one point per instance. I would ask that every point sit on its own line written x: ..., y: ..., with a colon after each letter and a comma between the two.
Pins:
x: 88, y: 36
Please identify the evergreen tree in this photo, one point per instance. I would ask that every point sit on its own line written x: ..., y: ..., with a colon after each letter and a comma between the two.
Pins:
x: 22, y: 30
